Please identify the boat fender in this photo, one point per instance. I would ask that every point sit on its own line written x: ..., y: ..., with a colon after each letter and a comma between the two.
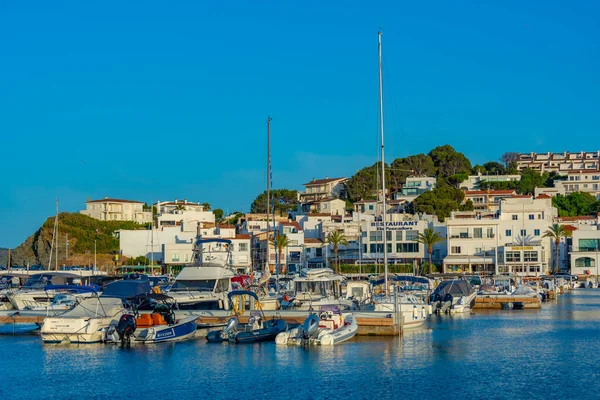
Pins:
x: 286, y: 298
x: 415, y: 312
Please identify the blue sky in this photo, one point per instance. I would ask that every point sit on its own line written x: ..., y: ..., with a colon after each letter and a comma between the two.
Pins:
x: 152, y: 100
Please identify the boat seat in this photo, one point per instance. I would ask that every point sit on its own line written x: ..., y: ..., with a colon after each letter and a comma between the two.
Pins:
x: 157, y: 319
x: 328, y: 324
x: 144, y: 321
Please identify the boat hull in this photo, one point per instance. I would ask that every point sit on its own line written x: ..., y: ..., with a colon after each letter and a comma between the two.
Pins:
x: 184, y: 329
x: 75, y: 330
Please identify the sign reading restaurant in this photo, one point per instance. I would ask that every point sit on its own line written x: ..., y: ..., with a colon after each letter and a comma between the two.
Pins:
x: 395, y: 226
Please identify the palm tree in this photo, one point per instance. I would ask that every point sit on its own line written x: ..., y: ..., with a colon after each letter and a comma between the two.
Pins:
x: 556, y: 232
x: 280, y: 242
x: 430, y: 238
x: 336, y: 238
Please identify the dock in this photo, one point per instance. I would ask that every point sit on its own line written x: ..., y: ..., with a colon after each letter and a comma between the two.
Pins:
x: 500, y: 302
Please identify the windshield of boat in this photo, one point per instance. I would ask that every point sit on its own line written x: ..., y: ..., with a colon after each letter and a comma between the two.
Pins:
x: 321, y: 288
x: 38, y: 281
x: 196, y: 284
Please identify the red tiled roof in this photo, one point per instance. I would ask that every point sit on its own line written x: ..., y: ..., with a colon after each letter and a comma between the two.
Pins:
x: 113, y: 201
x: 319, y: 214
x: 476, y: 192
x: 579, y: 171
x: 225, y: 226
x: 520, y: 196
x: 312, y: 241
x: 242, y: 236
x: 321, y: 181
x: 293, y: 223
x: 578, y: 218
x: 570, y: 228
x: 543, y: 196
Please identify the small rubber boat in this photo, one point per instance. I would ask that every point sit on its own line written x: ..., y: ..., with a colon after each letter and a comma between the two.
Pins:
x: 159, y: 326
x: 329, y: 328
x: 258, y: 328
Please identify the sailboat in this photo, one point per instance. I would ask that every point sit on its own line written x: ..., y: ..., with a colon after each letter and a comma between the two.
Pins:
x: 413, y: 308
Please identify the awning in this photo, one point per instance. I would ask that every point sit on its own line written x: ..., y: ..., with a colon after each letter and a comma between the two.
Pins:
x: 469, y: 260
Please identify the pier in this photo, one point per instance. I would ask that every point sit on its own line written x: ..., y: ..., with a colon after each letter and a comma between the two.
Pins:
x: 500, y: 302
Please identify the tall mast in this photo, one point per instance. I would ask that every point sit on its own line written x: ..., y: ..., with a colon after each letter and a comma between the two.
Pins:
x: 385, y: 256
x: 56, y: 235
x: 268, y: 186
x: 54, y: 238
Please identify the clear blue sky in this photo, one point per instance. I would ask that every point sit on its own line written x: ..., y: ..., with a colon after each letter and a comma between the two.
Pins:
x: 154, y: 100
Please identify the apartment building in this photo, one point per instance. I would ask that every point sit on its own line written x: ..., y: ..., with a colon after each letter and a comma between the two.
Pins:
x: 584, y: 255
x: 414, y: 187
x: 586, y: 181
x: 473, y: 181
x: 328, y: 188
x: 401, y: 239
x: 108, y: 209
x: 487, y: 200
x: 324, y: 206
x: 560, y: 163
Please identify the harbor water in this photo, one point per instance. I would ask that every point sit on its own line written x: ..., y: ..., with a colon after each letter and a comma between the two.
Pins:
x: 535, y: 354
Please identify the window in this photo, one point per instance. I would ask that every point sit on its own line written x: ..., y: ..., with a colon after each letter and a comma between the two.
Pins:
x: 477, y: 250
x: 376, y: 236
x: 243, y: 246
x: 371, y: 207
x: 515, y: 217
x: 513, y: 256
x: 584, y: 262
x: 455, y: 249
x: 523, y: 232
x: 531, y: 216
x: 398, y: 236
x: 175, y: 257
x: 536, y: 232
x: 388, y: 236
x: 490, y: 232
x: 589, y: 244
x: 365, y: 248
x: 389, y: 247
x: 319, y: 251
x: 508, y: 233
x: 412, y: 235
x: 530, y: 256
x: 478, y: 233
x: 376, y: 248
x: 364, y: 234
x: 407, y: 247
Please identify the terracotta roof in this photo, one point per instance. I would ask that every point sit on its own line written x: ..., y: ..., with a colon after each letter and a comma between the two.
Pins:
x: 225, y: 226
x: 543, y: 196
x: 365, y: 201
x: 578, y: 218
x: 242, y: 236
x: 476, y: 192
x: 293, y: 223
x: 321, y: 181
x: 520, y: 196
x: 319, y: 214
x: 180, y: 203
x: 113, y: 201
x: 579, y: 171
x: 570, y: 228
x: 312, y: 241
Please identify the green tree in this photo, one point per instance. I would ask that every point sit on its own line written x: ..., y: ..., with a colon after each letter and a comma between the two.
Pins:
x: 141, y: 260
x: 530, y: 180
x: 218, y: 214
x: 336, y: 239
x: 363, y: 185
x: 430, y: 238
x: 575, y: 204
x: 280, y: 243
x: 478, y: 169
x: 510, y: 159
x: 457, y: 179
x: 420, y: 164
x: 441, y: 201
x: 284, y: 200
x: 510, y: 185
x: 494, y: 168
x: 556, y: 232
x: 206, y: 206
x: 449, y: 162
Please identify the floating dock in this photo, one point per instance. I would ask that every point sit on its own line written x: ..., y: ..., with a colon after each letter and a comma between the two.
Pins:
x: 503, y: 301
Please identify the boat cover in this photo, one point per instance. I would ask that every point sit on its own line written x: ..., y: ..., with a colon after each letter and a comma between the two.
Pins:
x: 95, y: 307
x: 126, y: 289
x: 454, y: 287
x: 332, y: 308
x: 524, y: 290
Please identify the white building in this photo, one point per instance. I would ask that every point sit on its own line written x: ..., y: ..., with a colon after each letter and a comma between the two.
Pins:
x: 414, y: 187
x: 402, y: 245
x: 507, y: 241
x: 184, y: 217
x: 108, y: 209
x: 585, y: 181
x: 324, y: 206
x: 328, y: 188
x: 473, y: 181
x: 560, y: 163
x: 585, y: 252
x: 167, y: 207
x: 487, y: 200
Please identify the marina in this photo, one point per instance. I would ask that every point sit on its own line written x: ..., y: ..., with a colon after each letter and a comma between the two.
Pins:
x: 435, y: 357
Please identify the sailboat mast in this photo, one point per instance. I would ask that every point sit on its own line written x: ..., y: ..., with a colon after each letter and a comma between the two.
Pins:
x: 56, y: 236
x: 268, y: 187
x: 383, y: 202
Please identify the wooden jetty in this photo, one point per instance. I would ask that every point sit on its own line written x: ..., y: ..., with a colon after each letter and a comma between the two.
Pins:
x: 500, y: 302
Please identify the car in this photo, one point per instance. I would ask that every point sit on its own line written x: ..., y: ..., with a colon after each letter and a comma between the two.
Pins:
x: 37, y: 267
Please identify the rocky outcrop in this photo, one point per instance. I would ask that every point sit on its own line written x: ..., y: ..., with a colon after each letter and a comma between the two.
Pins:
x: 35, y: 249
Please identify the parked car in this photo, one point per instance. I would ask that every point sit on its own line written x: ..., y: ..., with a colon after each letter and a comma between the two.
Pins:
x: 37, y: 267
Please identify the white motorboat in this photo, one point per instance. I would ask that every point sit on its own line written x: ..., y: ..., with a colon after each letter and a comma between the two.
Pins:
x: 318, y: 287
x: 453, y: 296
x: 204, y: 284
x: 89, y: 320
x: 9, y: 284
x: 412, y: 308
x: 40, y: 289
x: 330, y: 327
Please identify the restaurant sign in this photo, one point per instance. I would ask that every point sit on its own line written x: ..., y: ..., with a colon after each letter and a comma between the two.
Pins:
x: 395, y: 226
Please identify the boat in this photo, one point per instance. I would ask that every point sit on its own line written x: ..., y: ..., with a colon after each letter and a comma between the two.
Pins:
x: 159, y: 326
x: 318, y: 287
x: 453, y: 296
x: 89, y: 320
x: 258, y: 328
x: 40, y: 289
x: 61, y: 302
x: 330, y: 327
x: 9, y: 284
x: 204, y: 284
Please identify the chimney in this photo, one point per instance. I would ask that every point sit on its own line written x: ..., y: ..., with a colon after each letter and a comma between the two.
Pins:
x: 185, y: 201
x: 175, y: 199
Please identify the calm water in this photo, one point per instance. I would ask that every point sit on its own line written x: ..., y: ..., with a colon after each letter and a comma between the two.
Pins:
x: 546, y: 354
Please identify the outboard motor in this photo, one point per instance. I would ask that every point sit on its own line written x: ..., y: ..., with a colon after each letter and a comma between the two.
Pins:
x: 436, y: 303
x: 231, y: 327
x: 446, y: 303
x: 310, y: 327
x: 126, y: 328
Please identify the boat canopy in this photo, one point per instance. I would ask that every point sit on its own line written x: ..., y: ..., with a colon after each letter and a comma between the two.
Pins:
x: 95, y: 307
x: 126, y: 289
x: 333, y: 308
x: 455, y: 287
x: 403, y: 278
x: 234, y: 293
x: 74, y: 288
x: 215, y: 240
x: 153, y: 296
